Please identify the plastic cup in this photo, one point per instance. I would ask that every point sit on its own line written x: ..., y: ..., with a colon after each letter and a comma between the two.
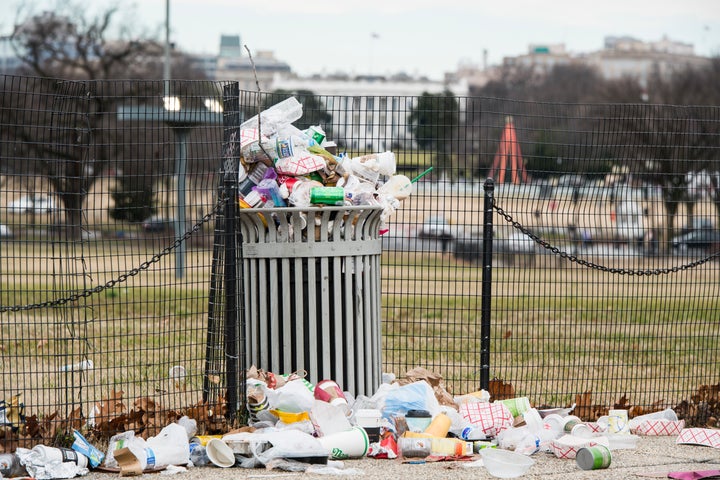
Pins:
x: 418, y: 420
x: 386, y: 163
x: 220, y: 453
x: 351, y: 443
x: 399, y: 186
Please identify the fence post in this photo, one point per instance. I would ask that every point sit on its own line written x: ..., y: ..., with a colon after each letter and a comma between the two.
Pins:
x: 489, y: 188
x: 233, y: 339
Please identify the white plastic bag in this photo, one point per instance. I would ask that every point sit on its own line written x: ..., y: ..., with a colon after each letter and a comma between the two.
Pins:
x: 170, y: 446
x: 293, y: 397
x: 413, y: 396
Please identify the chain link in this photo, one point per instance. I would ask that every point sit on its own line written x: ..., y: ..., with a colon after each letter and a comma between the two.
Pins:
x: 123, y: 277
x: 585, y: 263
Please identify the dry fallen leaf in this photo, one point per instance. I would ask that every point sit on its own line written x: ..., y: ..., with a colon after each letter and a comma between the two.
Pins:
x: 499, y: 390
x: 583, y: 405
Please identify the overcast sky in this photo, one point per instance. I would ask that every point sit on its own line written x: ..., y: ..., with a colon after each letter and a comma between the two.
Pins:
x: 427, y: 37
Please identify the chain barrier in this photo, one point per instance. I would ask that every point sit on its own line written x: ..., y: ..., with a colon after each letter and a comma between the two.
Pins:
x: 585, y: 263
x: 123, y: 277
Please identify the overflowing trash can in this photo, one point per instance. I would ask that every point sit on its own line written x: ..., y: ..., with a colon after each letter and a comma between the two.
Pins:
x: 311, y: 291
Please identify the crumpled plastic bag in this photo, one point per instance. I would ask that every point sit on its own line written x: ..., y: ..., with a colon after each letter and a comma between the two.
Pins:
x: 292, y: 397
x: 170, y: 446
x: 413, y: 396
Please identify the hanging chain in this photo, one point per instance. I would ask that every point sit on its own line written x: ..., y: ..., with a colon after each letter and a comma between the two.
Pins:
x: 585, y: 263
x: 123, y: 277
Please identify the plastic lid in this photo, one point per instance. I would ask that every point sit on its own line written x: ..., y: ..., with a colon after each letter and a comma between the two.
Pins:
x: 418, y: 414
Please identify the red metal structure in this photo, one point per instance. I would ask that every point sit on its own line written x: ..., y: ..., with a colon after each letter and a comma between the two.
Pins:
x: 508, y: 157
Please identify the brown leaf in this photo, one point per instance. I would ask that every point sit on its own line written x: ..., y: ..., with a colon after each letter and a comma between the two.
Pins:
x: 507, y: 334
x: 622, y: 404
x: 583, y: 405
x: 41, y: 344
x: 499, y: 390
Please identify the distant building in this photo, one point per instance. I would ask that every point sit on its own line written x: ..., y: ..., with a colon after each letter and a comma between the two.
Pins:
x: 621, y: 57
x: 233, y: 64
x: 370, y: 109
x: 629, y: 57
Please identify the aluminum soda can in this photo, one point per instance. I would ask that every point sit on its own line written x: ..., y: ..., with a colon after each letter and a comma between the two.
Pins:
x: 593, y: 458
x: 327, y: 195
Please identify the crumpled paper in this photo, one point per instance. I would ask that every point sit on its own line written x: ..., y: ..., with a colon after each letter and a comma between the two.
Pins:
x: 38, y: 468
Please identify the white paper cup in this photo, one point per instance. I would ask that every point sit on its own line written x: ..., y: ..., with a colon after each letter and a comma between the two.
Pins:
x: 59, y: 455
x: 220, y: 453
x: 618, y: 421
x: 351, y: 443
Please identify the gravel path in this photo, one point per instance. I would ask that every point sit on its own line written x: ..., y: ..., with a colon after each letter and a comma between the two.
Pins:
x: 654, y: 457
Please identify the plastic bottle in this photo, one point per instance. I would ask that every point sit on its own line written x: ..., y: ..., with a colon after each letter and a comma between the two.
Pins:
x: 198, y: 455
x: 10, y: 466
x: 269, y: 188
x: 274, y: 117
x: 473, y: 434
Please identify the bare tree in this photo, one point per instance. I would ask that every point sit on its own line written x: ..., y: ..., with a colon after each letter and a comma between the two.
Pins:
x: 68, y: 126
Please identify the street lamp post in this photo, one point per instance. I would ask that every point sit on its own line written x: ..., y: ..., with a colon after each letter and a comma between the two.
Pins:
x: 181, y: 121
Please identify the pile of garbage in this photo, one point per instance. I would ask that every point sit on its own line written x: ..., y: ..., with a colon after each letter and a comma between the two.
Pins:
x: 283, y: 166
x: 297, y: 426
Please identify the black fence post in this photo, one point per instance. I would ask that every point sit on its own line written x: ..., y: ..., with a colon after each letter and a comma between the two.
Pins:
x: 489, y: 188
x: 231, y: 159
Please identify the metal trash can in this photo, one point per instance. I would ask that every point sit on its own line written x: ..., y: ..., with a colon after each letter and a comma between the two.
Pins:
x: 311, y: 289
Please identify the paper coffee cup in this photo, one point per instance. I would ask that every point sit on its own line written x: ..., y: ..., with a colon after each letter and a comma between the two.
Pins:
x: 618, y: 421
x: 52, y: 454
x: 220, y: 453
x: 351, y: 443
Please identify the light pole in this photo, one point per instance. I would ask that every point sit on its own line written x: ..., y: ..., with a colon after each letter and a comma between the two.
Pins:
x: 166, y: 62
x: 181, y: 121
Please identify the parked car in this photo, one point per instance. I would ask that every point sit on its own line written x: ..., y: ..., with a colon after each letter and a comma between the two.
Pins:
x: 705, y: 241
x: 157, y: 224
x: 32, y: 204
x: 435, y: 227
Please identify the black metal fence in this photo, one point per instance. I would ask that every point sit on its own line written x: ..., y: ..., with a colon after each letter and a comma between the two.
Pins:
x: 115, y: 255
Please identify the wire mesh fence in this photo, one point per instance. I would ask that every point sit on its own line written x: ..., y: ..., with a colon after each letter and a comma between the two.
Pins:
x: 116, y: 243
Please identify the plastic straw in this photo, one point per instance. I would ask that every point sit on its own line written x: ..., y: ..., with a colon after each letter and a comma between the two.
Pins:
x: 421, y: 175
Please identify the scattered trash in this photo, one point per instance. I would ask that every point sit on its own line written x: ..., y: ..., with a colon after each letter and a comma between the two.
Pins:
x: 10, y: 466
x: 85, y: 448
x: 700, y: 436
x: 78, y: 367
x: 12, y: 413
x: 283, y: 166
x: 301, y: 427
x: 593, y: 458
